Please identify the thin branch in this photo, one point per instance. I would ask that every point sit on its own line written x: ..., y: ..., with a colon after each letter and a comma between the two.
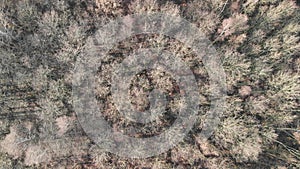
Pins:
x: 224, y: 6
x: 289, y: 129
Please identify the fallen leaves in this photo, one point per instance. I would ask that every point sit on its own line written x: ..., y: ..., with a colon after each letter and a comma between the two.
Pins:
x: 64, y: 124
x: 206, y: 148
x: 297, y: 136
x: 235, y: 24
x: 245, y: 91
x: 10, y: 144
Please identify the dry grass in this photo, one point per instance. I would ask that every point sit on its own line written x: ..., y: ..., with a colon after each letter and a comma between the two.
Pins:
x: 257, y: 42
